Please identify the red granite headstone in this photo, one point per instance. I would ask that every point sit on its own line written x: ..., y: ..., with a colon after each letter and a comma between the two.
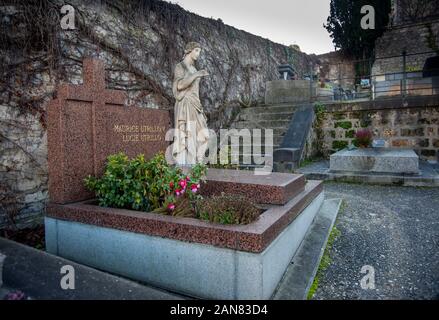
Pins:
x: 88, y: 122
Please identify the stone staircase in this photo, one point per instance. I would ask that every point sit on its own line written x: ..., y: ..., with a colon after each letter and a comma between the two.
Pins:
x: 269, y: 116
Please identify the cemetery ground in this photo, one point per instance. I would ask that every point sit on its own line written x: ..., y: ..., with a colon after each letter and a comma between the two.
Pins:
x: 392, y: 229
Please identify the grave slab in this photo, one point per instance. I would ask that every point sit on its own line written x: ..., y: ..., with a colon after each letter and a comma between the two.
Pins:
x: 377, y: 160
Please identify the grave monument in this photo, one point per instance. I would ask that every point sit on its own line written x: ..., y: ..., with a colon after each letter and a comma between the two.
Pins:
x: 86, y: 124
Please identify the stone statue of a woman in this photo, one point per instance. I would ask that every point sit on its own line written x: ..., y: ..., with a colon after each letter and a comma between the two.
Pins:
x: 191, y: 134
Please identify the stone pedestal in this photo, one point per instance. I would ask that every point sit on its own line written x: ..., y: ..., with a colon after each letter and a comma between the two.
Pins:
x: 250, y: 260
x: 378, y: 160
x: 288, y: 91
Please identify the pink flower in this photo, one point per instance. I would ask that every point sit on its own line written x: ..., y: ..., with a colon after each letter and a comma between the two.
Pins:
x: 182, y: 184
x: 198, y: 185
x: 179, y: 191
x: 187, y: 178
x: 171, y: 185
x: 194, y: 188
x: 171, y: 206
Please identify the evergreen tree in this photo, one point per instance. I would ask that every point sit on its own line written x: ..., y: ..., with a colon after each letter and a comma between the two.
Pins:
x: 344, y: 26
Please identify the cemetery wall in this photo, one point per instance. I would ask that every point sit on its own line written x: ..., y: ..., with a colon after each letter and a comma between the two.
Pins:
x: 140, y: 42
x: 412, y: 124
x: 413, y: 38
x: 337, y: 68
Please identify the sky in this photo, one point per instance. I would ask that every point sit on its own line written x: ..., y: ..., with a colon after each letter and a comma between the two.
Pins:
x: 283, y: 21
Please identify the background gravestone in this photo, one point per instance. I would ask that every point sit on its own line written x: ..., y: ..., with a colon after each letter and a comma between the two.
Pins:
x: 86, y: 123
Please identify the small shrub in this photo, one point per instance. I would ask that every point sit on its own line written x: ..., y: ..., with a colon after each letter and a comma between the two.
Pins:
x: 319, y: 108
x: 155, y: 186
x: 139, y: 184
x: 228, y: 209
x: 363, y: 138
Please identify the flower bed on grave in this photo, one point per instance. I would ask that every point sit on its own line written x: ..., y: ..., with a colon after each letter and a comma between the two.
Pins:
x: 154, y: 186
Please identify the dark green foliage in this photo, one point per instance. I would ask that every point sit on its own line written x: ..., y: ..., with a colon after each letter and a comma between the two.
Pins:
x: 343, y: 124
x: 151, y: 186
x: 228, y: 209
x: 344, y: 25
x: 136, y: 184
x: 339, y: 144
x: 350, y: 134
x: 320, y: 114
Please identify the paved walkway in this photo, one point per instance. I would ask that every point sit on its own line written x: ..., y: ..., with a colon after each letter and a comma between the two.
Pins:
x: 393, y: 229
x: 38, y: 275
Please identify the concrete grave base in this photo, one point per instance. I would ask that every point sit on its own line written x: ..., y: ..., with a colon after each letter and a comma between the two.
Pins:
x: 375, y: 160
x: 194, y: 269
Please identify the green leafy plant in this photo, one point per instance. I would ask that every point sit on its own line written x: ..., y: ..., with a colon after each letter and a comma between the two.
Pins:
x: 138, y: 184
x: 320, y: 113
x: 227, y: 209
x: 153, y: 185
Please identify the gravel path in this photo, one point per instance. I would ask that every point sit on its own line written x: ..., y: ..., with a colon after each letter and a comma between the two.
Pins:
x: 393, y: 229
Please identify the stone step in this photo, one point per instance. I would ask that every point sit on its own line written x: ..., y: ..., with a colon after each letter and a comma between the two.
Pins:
x: 265, y: 116
x: 276, y: 143
x: 277, y: 140
x: 274, y: 188
x: 277, y: 131
x: 268, y: 124
x: 286, y: 159
x: 274, y: 108
x: 252, y: 159
x: 250, y: 167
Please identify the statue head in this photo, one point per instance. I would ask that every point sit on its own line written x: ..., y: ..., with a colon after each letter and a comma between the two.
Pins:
x: 193, y: 49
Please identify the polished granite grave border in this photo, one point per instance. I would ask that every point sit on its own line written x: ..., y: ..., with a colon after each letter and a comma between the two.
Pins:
x: 253, y: 237
x: 273, y: 188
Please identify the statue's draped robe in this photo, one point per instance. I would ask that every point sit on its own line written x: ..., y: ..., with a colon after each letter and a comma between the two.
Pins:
x: 191, y: 134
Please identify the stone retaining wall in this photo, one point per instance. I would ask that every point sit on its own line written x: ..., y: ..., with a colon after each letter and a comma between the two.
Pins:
x: 411, y: 123
x: 414, y: 39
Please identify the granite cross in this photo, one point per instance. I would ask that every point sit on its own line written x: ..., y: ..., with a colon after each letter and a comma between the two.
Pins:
x: 87, y: 123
